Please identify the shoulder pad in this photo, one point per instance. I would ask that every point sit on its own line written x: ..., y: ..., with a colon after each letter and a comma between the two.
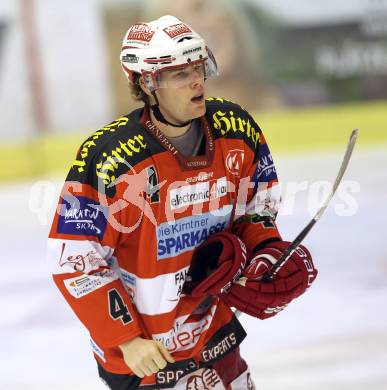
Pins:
x: 218, y: 102
x: 113, y: 150
x: 229, y: 120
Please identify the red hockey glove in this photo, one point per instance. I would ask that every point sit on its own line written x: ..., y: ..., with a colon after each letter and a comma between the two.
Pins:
x: 216, y: 264
x: 263, y: 300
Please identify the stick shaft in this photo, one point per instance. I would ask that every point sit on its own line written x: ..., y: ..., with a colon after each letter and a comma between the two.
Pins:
x: 269, y: 276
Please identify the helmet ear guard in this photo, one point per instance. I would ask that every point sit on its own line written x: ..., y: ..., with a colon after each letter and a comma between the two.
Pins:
x: 211, y: 67
x: 150, y: 80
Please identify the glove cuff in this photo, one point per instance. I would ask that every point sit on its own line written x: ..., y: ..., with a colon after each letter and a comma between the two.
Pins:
x: 263, y: 244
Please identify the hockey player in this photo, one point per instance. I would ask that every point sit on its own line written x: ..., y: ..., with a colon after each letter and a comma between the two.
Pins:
x: 167, y: 220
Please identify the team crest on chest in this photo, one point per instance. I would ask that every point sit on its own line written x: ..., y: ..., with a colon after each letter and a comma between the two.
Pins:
x: 234, y: 161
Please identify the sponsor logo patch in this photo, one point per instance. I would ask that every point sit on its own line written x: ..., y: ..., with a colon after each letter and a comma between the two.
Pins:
x: 220, y: 349
x: 97, y: 350
x: 82, y: 216
x: 80, y: 286
x: 186, y: 335
x: 107, y: 167
x: 265, y: 171
x: 207, y: 379
x: 223, y: 341
x: 131, y: 58
x: 80, y: 163
x: 226, y: 121
x: 186, y: 233
x: 169, y: 376
x: 202, y: 176
x: 198, y: 193
x: 130, y: 282
x: 190, y: 51
x: 176, y: 30
x: 140, y: 32
x: 82, y: 262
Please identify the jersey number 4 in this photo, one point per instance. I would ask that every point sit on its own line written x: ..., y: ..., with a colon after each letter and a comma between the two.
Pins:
x: 117, y: 307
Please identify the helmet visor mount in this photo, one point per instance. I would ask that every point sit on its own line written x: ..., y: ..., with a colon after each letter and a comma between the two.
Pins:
x: 178, y: 76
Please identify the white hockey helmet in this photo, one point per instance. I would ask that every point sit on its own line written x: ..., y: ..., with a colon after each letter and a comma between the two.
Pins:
x: 148, y: 49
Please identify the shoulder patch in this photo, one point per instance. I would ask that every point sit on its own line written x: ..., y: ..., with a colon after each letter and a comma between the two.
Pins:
x: 112, y: 151
x: 119, y: 152
x: 230, y: 120
x: 89, y: 146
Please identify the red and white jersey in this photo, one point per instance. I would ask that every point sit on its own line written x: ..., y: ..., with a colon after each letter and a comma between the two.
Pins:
x: 131, y: 213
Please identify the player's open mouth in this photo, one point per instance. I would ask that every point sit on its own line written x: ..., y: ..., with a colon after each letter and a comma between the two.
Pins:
x: 197, y: 99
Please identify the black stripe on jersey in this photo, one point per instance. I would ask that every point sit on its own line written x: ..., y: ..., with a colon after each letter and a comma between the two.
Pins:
x: 118, y: 381
x: 225, y: 340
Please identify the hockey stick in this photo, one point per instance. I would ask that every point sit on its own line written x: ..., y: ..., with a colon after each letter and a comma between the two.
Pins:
x: 269, y: 276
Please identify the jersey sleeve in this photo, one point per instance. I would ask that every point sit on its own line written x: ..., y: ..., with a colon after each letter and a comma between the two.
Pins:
x: 258, y: 198
x: 84, y: 235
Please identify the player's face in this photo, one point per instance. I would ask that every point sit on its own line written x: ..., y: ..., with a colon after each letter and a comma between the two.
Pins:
x: 181, y: 93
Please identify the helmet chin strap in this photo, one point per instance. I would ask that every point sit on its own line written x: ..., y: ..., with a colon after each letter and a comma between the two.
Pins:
x: 159, y: 115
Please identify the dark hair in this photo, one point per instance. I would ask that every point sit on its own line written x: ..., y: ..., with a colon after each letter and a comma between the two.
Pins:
x: 136, y: 91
